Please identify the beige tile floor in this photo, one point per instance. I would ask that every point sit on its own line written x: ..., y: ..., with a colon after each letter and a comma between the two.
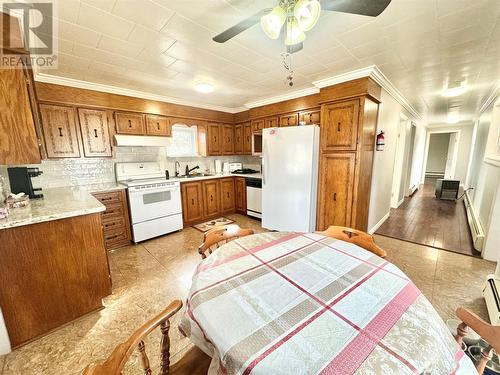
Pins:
x: 148, y: 276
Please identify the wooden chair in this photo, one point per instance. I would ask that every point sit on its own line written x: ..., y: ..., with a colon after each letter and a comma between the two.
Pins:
x: 489, y: 333
x: 220, y: 235
x: 356, y: 237
x: 194, y: 362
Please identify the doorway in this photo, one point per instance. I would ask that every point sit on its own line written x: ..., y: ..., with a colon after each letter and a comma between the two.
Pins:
x: 441, y: 154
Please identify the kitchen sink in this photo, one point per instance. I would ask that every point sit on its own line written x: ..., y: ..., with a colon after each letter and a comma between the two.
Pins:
x: 196, y: 175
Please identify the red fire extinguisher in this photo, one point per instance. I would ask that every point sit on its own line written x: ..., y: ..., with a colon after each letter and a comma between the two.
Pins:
x: 380, y: 141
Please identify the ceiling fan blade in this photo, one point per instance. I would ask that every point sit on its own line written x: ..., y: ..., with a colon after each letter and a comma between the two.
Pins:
x: 295, y: 48
x: 370, y: 8
x: 240, y: 26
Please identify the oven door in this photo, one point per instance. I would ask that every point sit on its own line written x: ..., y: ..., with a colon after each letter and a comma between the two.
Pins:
x: 154, y: 203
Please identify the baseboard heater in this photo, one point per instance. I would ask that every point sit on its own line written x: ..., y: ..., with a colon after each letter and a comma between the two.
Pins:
x: 476, y: 229
x: 490, y: 293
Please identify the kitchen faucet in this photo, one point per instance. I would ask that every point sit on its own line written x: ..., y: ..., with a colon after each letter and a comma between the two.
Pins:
x: 188, y: 171
x: 177, y: 167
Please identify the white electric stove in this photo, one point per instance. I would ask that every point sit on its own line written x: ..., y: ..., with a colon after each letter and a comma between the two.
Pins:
x: 154, y: 202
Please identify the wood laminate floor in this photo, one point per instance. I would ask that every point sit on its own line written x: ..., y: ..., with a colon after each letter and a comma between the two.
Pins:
x: 425, y: 220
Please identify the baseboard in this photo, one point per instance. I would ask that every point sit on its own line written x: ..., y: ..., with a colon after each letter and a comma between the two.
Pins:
x: 379, y: 224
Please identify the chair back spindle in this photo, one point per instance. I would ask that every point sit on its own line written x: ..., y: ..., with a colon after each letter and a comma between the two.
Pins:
x: 216, y: 237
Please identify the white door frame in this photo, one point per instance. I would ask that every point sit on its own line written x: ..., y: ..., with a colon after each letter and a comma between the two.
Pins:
x: 398, y: 161
x: 426, y: 152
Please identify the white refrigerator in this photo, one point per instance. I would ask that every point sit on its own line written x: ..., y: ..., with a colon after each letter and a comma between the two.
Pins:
x: 290, y: 178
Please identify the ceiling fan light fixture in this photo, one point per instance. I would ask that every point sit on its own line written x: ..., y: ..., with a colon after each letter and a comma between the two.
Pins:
x: 272, y: 22
x: 294, y: 34
x: 307, y: 13
x: 204, y: 88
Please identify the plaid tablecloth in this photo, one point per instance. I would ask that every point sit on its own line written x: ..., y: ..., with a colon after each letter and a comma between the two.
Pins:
x: 289, y: 303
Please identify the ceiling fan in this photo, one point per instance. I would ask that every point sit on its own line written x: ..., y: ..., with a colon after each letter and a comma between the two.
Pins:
x: 298, y: 16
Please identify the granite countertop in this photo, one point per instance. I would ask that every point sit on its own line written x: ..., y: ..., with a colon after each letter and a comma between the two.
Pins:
x: 57, y: 203
x: 223, y: 175
x: 102, y: 187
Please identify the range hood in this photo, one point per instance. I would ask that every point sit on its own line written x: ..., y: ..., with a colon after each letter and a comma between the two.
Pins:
x: 141, y: 140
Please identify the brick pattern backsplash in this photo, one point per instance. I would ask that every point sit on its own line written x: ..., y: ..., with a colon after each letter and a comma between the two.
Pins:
x: 76, y: 172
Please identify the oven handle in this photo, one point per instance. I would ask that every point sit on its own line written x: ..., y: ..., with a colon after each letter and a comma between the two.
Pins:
x: 146, y: 191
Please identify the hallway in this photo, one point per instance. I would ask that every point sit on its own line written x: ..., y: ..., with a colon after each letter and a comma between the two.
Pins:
x: 425, y: 220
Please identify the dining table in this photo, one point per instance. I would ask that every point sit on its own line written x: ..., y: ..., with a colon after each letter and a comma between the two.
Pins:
x: 304, y: 303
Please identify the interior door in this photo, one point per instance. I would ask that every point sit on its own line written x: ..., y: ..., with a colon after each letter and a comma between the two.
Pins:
x: 227, y: 194
x: 59, y: 130
x: 211, y: 197
x: 451, y: 160
x: 336, y: 189
x: 95, y: 132
x: 192, y: 201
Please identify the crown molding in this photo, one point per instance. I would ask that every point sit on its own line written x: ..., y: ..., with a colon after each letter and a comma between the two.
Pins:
x: 344, y: 77
x: 47, y: 78
x: 495, y: 94
x: 280, y: 98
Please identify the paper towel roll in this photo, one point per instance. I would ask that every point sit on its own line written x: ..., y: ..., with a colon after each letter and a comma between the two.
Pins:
x: 4, y: 337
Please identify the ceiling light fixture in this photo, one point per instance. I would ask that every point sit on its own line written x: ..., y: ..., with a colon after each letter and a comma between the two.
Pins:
x: 453, y: 117
x: 307, y: 13
x: 294, y: 34
x: 273, y: 22
x: 204, y: 88
x: 453, y: 92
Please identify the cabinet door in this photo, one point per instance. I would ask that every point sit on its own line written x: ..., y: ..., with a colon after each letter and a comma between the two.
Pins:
x: 130, y: 123
x: 227, y: 194
x: 192, y: 201
x: 309, y: 118
x: 336, y: 185
x: 18, y: 140
x: 241, y: 194
x: 95, y: 132
x: 59, y: 131
x: 247, y: 141
x: 291, y: 119
x: 271, y: 122
x: 238, y: 139
x: 228, y: 139
x: 211, y: 193
x: 158, y: 125
x: 340, y: 125
x: 214, y: 139
x: 257, y: 125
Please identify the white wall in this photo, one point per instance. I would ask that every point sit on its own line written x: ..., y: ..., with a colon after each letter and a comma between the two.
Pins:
x: 464, y: 147
x: 383, y: 164
x: 438, y: 153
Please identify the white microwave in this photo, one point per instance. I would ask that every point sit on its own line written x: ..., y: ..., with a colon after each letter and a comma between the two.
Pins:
x: 257, y: 143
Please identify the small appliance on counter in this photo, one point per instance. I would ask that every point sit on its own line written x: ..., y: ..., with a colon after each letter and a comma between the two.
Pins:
x: 20, y: 181
x: 234, y: 166
x: 218, y: 166
x: 225, y: 167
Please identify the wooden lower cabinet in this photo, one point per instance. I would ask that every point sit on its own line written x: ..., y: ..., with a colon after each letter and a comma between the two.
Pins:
x: 56, y: 271
x: 115, y: 220
x: 240, y: 187
x: 336, y: 189
x: 192, y: 202
x: 211, y: 193
x: 227, y: 195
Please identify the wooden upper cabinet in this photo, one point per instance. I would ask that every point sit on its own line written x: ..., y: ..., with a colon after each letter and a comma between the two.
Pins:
x: 130, y: 123
x: 19, y: 142
x: 240, y: 194
x: 247, y: 139
x: 95, y: 132
x: 227, y: 194
x: 192, y: 201
x: 336, y: 189
x: 211, y: 193
x: 271, y: 122
x: 290, y: 119
x: 339, y: 125
x: 158, y: 125
x: 310, y: 117
x: 59, y: 131
x: 238, y: 139
x: 228, y: 139
x: 214, y: 143
x: 257, y: 125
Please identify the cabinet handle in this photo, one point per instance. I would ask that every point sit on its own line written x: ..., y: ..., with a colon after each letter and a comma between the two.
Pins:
x: 129, y: 123
x: 60, y: 132
x: 158, y: 125
x: 95, y: 133
x: 192, y: 201
x: 335, y: 197
x: 338, y: 127
x: 228, y: 194
x: 211, y: 198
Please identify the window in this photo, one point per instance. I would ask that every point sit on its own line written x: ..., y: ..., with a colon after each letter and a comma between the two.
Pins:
x: 184, y: 141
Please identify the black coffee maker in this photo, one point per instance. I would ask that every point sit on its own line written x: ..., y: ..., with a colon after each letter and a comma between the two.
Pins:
x: 20, y: 181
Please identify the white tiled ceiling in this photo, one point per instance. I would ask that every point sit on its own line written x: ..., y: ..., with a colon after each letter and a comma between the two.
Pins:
x: 164, y: 47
